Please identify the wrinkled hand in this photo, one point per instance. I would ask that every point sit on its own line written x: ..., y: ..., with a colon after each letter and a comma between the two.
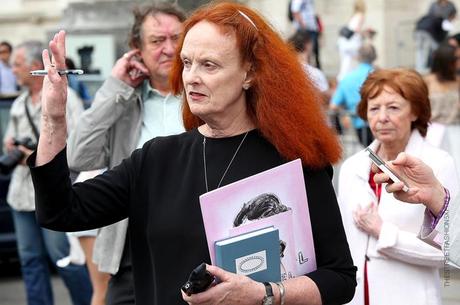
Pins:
x: 423, y: 185
x: 54, y: 92
x: 368, y: 220
x: 232, y: 289
x: 129, y: 69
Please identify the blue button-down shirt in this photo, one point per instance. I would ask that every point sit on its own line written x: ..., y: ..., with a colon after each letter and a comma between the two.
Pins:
x: 162, y: 114
x: 7, y: 80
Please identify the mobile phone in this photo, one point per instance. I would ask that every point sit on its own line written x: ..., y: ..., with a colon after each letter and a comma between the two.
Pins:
x: 198, y: 281
x: 384, y: 168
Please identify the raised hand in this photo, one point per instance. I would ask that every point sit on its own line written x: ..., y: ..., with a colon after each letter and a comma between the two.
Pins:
x: 130, y: 69
x: 54, y: 92
x: 53, y: 131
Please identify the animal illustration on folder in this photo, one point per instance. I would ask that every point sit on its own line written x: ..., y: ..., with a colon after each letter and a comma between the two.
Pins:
x: 276, y: 197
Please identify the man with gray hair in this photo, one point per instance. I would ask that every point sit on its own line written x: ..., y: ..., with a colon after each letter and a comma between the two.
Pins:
x: 36, y: 244
x: 347, y: 93
x: 133, y: 106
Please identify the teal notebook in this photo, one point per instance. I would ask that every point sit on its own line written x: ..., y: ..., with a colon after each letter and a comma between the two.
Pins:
x: 255, y: 254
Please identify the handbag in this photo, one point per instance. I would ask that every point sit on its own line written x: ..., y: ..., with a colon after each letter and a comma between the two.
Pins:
x: 346, y: 32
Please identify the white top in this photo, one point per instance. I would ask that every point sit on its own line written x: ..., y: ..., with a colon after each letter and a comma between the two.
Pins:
x: 399, y: 261
x: 306, y: 8
x: 356, y: 22
x: 318, y: 77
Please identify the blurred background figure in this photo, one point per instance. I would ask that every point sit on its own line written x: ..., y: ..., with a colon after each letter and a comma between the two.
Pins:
x: 347, y: 95
x: 87, y: 239
x: 454, y: 41
x: 37, y: 245
x: 305, y: 18
x: 442, y: 8
x: 444, y: 92
x: 78, y: 85
x: 303, y: 45
x: 443, y: 87
x: 382, y: 231
x: 7, y: 79
x: 430, y: 30
x: 351, y: 39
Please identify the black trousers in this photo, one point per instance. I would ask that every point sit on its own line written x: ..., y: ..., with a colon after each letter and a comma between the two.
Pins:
x: 121, y: 287
x: 365, y: 135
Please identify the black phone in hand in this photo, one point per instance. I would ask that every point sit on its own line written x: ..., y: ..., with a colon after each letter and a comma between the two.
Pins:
x: 198, y: 281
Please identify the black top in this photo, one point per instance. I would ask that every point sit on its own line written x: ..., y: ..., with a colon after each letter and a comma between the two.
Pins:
x: 158, y: 189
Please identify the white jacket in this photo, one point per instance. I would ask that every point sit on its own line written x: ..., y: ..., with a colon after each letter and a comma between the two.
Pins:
x: 402, y: 268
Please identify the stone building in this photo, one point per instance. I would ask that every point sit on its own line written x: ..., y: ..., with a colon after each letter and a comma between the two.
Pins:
x: 104, y: 24
x: 109, y: 19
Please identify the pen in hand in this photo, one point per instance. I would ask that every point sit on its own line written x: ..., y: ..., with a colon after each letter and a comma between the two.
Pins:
x: 60, y: 72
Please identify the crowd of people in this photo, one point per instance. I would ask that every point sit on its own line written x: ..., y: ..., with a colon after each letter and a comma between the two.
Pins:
x: 202, y: 101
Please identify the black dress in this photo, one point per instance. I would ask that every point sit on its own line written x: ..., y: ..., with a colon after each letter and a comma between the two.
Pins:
x: 158, y: 189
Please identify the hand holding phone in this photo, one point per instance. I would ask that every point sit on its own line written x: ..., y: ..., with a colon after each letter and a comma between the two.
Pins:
x: 384, y: 168
x: 199, y: 280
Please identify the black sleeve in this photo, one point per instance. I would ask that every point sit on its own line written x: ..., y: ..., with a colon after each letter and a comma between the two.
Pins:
x: 94, y: 203
x: 335, y: 275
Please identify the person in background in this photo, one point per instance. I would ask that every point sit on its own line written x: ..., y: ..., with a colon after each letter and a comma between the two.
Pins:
x: 426, y: 189
x: 349, y: 46
x: 443, y: 87
x: 78, y: 85
x: 442, y: 83
x: 442, y: 8
x: 8, y: 83
x: 454, y: 41
x: 301, y: 41
x: 382, y: 231
x: 35, y: 244
x: 430, y: 31
x: 245, y: 112
x: 305, y: 19
x: 133, y: 106
x: 347, y: 95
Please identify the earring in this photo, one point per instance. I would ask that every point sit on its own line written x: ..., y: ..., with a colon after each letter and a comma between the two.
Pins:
x: 246, y: 86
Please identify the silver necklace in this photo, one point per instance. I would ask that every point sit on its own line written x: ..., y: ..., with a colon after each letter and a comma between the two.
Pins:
x: 228, y: 166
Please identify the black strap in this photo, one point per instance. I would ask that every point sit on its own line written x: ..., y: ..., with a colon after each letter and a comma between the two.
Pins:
x: 29, y: 118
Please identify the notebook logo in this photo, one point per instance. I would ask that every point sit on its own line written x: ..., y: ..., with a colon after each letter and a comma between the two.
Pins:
x: 302, y: 260
x: 251, y: 263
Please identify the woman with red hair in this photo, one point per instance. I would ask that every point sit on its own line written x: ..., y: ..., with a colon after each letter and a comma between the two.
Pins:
x: 383, y: 231
x: 248, y: 107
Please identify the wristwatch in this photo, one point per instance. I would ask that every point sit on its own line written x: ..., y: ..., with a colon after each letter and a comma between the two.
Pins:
x: 268, y: 299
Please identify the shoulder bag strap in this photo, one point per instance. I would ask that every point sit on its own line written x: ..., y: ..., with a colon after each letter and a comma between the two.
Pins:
x: 29, y: 118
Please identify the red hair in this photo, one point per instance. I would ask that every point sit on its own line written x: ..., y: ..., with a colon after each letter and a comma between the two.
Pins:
x: 405, y: 82
x: 282, y: 101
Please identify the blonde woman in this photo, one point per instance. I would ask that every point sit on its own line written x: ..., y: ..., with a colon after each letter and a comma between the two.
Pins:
x: 348, y: 47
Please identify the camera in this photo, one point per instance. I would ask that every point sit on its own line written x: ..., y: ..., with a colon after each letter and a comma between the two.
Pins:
x: 9, y: 161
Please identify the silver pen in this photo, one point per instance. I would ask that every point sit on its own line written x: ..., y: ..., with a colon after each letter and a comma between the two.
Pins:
x: 61, y: 72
